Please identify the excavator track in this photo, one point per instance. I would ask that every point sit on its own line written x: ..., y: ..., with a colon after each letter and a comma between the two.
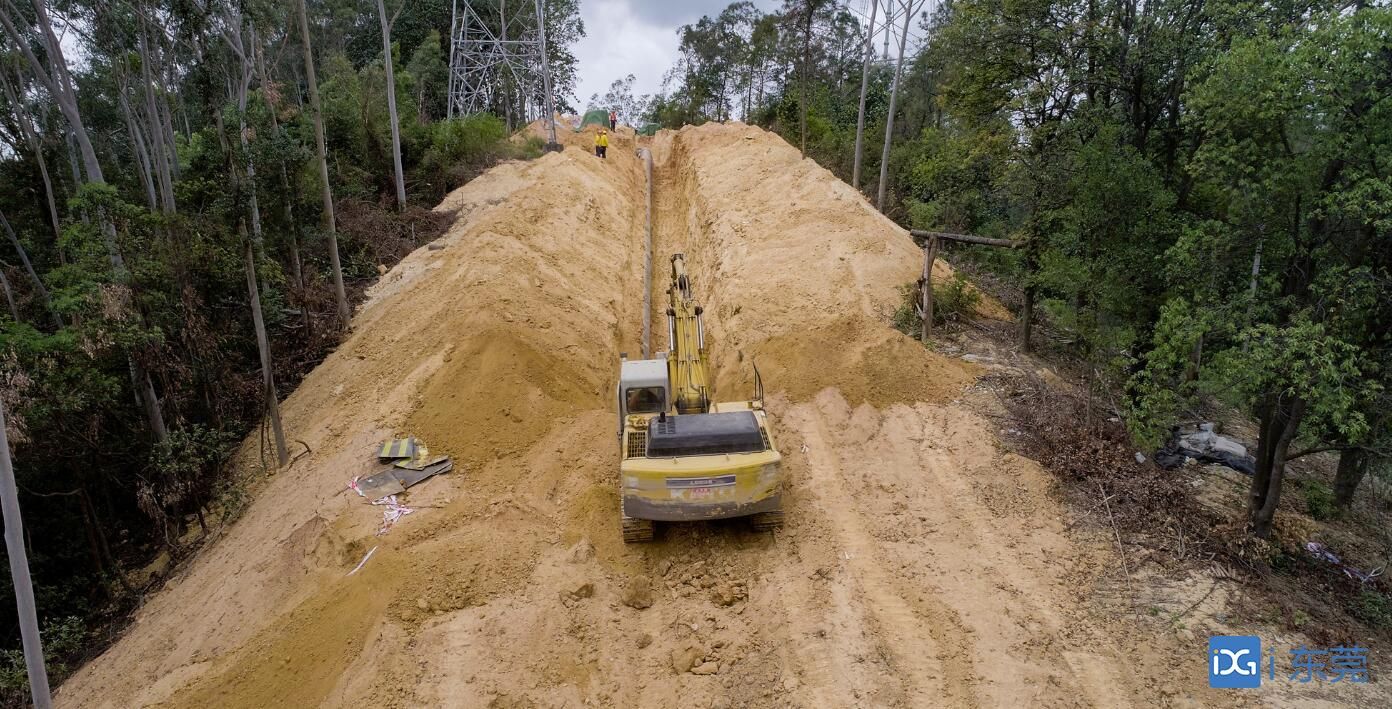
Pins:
x: 637, y: 530
x: 766, y: 521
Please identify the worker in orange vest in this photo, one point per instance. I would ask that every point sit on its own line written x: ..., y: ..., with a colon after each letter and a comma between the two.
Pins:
x: 601, y: 143
x: 613, y: 120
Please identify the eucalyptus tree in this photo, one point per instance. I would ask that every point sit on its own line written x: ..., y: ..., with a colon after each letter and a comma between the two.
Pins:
x: 910, y: 9
x: 864, y: 86
x: 327, y: 214
x: 388, y: 62
x: 13, y: 85
x: 57, y: 80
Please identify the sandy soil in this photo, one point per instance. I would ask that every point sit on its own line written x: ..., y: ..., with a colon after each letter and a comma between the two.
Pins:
x: 920, y: 565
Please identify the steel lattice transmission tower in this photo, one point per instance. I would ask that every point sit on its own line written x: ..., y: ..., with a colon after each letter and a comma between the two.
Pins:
x: 498, y: 61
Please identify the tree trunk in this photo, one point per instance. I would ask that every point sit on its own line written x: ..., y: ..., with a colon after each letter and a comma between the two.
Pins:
x: 802, y: 80
x: 864, y: 86
x: 391, y: 107
x: 74, y: 163
x: 166, y: 119
x: 1353, y: 465
x: 893, y: 100
x: 36, y: 146
x: 1027, y: 321
x: 142, y: 157
x: 29, y: 268
x: 242, y: 90
x: 51, y: 200
x: 159, y: 139
x: 1279, y: 421
x: 263, y: 346
x: 328, y: 214
x: 103, y: 548
x: 1191, y: 371
x: 9, y: 296
x: 286, y: 197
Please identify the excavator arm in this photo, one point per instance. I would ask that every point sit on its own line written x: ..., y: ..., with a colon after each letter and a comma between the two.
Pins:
x: 688, y: 364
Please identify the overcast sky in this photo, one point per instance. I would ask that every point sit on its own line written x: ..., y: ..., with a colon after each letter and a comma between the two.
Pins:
x: 636, y: 37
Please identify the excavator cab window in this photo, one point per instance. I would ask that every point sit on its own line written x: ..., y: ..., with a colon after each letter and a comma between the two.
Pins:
x: 645, y: 400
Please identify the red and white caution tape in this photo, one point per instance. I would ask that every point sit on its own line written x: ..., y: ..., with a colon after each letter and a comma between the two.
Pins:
x: 394, y: 512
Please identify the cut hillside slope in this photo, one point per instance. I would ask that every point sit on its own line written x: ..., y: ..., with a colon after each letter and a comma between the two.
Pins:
x: 920, y: 565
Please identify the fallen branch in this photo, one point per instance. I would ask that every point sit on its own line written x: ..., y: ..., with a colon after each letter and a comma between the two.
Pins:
x: 307, y: 451
x: 1106, y: 501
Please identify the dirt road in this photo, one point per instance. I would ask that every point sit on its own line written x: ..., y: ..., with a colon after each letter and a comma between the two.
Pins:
x: 920, y: 565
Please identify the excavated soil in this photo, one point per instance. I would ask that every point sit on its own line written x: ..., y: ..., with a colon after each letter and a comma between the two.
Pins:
x: 920, y: 565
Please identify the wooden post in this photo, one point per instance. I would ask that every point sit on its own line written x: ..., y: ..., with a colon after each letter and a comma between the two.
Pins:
x: 964, y: 238
x: 930, y: 254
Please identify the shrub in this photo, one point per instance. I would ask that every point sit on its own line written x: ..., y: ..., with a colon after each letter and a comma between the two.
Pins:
x: 63, y: 642
x: 1373, y: 608
x: 906, y: 319
x: 1319, y: 501
x: 953, y: 301
x: 461, y: 148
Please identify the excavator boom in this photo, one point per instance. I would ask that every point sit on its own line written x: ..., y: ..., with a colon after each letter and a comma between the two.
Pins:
x: 687, y: 363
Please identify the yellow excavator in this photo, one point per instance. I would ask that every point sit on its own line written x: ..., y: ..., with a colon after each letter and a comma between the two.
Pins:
x: 686, y: 457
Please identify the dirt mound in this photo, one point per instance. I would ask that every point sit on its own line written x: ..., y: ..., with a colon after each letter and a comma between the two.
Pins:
x: 478, y: 343
x: 874, y: 364
x: 802, y: 275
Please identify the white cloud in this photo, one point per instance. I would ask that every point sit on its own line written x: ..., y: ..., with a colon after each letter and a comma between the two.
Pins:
x: 619, y: 42
x: 636, y: 37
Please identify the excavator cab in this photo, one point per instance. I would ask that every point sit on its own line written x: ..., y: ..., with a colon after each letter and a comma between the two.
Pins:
x: 686, y: 457
x: 642, y: 388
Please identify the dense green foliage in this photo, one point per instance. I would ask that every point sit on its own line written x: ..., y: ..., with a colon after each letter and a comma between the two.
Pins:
x: 1201, y: 191
x: 202, y: 136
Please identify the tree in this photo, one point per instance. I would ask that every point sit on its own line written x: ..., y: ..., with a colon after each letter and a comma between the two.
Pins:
x: 910, y: 8
x: 431, y: 73
x: 60, y: 87
x: 327, y: 218
x: 1303, y: 348
x: 804, y: 13
x: 864, y: 86
x: 619, y: 99
x: 31, y: 138
x: 391, y: 100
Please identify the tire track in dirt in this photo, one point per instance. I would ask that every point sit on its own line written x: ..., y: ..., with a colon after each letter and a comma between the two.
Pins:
x: 1018, y: 613
x: 1035, y: 608
x: 925, y: 640
x: 834, y: 659
x: 973, y: 542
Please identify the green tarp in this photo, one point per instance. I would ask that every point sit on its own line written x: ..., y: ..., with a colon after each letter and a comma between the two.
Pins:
x: 598, y: 117
x: 649, y: 129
